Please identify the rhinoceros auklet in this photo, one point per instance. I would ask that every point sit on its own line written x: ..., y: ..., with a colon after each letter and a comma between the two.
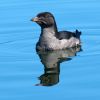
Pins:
x: 51, y: 38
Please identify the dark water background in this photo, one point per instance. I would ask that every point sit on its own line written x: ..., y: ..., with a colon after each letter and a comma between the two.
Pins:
x: 78, y: 77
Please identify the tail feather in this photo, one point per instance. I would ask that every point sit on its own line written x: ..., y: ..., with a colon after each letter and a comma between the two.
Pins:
x: 78, y: 33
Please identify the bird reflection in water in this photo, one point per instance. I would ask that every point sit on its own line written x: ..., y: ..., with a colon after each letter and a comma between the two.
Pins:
x: 51, y: 61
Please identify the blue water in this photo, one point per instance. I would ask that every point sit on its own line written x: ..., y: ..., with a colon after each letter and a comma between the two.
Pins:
x: 22, y: 71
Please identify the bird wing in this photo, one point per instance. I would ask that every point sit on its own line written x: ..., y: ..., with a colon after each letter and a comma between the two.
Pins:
x: 67, y: 34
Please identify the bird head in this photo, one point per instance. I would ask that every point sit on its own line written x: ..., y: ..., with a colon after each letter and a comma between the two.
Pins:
x: 44, y: 19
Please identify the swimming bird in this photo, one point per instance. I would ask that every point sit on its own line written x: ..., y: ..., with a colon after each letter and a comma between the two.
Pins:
x: 50, y: 37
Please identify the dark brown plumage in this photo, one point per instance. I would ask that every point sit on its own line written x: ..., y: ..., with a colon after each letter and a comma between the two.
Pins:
x: 51, y: 38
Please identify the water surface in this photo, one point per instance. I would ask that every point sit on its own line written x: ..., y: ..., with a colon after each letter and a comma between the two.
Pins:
x: 77, y: 73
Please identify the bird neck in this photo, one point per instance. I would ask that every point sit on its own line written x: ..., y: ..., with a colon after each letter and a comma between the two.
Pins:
x: 52, y: 29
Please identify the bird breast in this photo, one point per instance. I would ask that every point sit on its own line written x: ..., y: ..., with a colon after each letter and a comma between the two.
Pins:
x: 51, y: 42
